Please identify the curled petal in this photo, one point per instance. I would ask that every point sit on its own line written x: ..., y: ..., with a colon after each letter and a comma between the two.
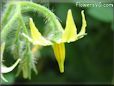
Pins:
x: 70, y: 33
x: 83, y: 28
x: 37, y: 38
x: 59, y: 51
x: 5, y: 69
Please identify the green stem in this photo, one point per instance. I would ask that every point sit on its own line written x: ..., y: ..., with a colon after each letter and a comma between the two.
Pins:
x: 56, y: 28
x: 23, y: 24
x: 7, y: 13
x: 6, y: 29
x: 27, y: 72
x: 18, y: 30
x: 29, y: 6
x: 25, y: 31
x: 27, y: 44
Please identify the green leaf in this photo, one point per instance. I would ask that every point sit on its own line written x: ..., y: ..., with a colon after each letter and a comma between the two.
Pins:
x: 101, y: 13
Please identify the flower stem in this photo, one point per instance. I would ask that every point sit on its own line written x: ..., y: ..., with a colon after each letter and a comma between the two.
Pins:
x: 56, y: 28
x: 7, y: 13
x: 6, y: 28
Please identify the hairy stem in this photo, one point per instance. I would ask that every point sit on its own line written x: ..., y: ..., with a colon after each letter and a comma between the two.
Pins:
x: 7, y: 13
x: 56, y: 28
x: 29, y: 6
x: 6, y: 28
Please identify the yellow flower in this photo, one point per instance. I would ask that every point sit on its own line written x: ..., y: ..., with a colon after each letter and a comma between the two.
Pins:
x: 69, y: 35
x: 5, y: 69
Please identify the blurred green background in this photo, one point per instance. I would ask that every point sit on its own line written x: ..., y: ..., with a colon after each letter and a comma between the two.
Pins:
x: 88, y: 60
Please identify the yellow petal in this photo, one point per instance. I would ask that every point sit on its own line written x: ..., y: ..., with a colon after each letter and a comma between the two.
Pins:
x: 83, y: 28
x: 70, y: 33
x: 36, y: 35
x: 59, y: 51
